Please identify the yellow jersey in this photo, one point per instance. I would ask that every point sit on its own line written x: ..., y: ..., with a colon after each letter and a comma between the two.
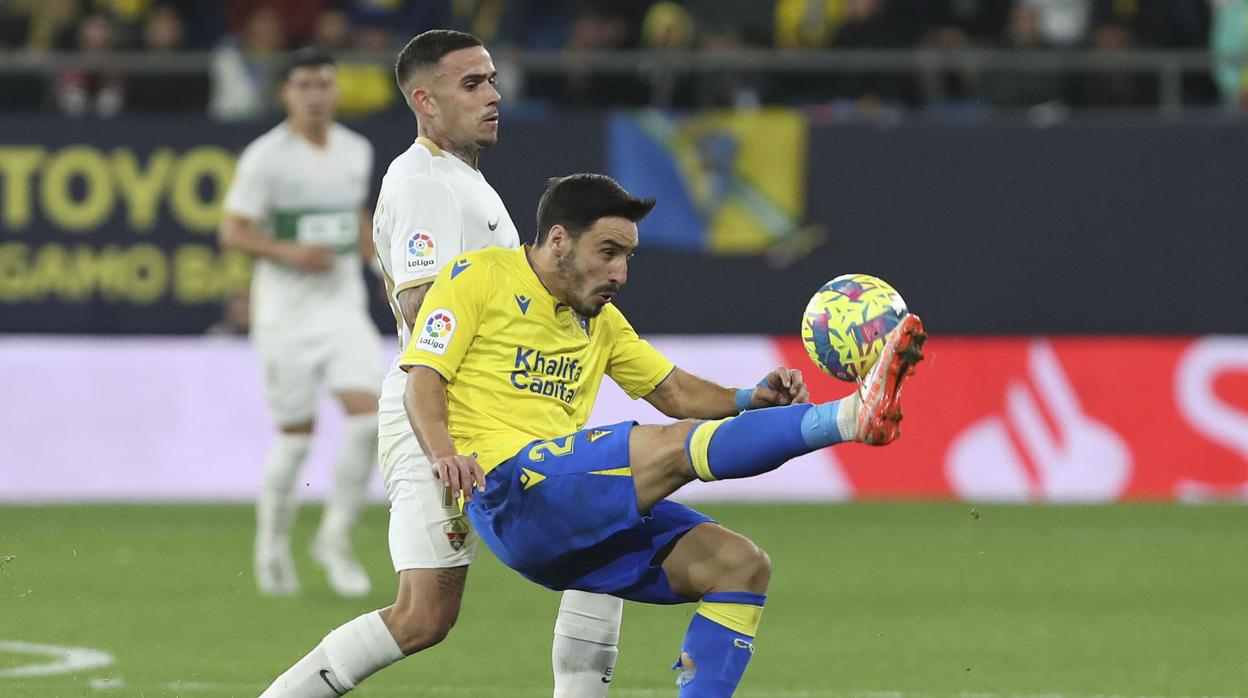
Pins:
x: 519, y: 364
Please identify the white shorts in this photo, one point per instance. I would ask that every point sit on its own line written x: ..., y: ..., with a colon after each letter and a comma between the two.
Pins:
x: 296, y: 365
x: 427, y: 530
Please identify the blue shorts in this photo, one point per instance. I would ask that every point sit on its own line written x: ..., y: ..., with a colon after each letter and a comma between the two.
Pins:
x: 563, y: 513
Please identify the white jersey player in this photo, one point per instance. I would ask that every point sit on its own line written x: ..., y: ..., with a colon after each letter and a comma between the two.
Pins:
x: 297, y: 204
x: 432, y: 208
x: 435, y: 204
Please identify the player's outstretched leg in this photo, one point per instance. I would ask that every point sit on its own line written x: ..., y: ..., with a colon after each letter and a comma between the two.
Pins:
x: 275, y: 511
x: 757, y: 442
x: 587, y: 638
x: 332, y: 546
x: 664, y: 458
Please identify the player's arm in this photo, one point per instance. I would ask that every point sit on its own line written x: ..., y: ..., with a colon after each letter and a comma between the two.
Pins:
x: 238, y: 232
x: 248, y: 201
x: 425, y: 400
x: 445, y: 328
x: 410, y: 300
x: 420, y: 209
x: 683, y: 395
x: 645, y: 373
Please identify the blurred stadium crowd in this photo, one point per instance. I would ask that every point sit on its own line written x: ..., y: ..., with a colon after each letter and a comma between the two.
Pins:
x: 239, y: 38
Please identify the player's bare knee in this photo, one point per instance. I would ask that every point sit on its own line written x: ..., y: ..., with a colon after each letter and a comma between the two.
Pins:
x: 760, y: 569
x: 744, y: 567
x: 418, y: 627
x: 300, y: 428
x: 427, y: 632
x: 427, y: 607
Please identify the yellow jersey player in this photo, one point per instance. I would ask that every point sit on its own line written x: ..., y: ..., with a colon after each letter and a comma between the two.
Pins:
x: 508, y: 354
x: 434, y: 205
x: 297, y: 204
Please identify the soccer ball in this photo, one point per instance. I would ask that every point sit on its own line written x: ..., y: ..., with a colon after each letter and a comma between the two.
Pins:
x: 846, y: 322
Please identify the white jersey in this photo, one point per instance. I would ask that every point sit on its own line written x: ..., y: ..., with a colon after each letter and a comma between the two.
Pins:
x: 432, y: 208
x: 295, y: 190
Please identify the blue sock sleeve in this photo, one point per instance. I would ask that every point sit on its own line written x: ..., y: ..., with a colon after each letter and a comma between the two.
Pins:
x: 760, y: 441
x: 718, y: 654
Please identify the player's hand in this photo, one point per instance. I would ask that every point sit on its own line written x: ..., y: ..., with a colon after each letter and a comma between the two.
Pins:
x: 313, y: 258
x: 459, y: 474
x: 783, y: 386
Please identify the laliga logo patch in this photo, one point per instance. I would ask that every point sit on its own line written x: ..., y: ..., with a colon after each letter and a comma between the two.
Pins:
x: 421, y: 252
x: 421, y: 245
x: 436, y: 335
x: 440, y: 324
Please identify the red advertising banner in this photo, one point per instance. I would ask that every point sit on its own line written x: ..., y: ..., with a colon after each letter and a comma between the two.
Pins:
x: 1061, y: 419
x: 1088, y: 419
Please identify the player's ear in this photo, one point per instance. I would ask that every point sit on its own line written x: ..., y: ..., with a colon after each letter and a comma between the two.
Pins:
x: 558, y: 239
x: 422, y: 99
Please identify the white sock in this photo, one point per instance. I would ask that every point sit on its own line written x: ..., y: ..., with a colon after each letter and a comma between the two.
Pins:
x: 310, y: 677
x: 349, y: 654
x: 351, y: 472
x: 278, y: 497
x: 360, y: 648
x: 587, y: 637
x: 847, y: 416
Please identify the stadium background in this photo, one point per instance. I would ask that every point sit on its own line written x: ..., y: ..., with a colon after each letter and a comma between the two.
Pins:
x: 1055, y: 185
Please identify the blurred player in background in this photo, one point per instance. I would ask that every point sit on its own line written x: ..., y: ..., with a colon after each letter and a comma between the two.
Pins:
x: 297, y: 204
x: 506, y: 363
x: 435, y: 205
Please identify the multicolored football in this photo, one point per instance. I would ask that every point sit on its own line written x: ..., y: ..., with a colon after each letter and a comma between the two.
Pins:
x: 846, y: 322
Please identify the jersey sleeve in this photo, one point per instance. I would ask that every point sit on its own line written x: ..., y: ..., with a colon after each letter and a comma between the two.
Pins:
x: 634, y: 364
x: 449, y: 318
x: 426, y: 230
x: 251, y: 191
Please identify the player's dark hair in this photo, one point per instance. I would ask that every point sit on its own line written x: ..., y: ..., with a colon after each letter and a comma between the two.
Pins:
x: 576, y: 201
x: 306, y: 57
x: 427, y: 49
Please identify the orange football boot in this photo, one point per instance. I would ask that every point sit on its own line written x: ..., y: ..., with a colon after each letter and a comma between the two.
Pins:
x: 880, y: 411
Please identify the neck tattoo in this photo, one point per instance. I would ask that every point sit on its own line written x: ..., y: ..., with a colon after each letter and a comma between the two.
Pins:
x: 468, y: 155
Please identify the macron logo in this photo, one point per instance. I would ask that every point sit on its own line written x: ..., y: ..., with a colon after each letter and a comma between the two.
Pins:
x: 523, y: 302
x: 460, y: 265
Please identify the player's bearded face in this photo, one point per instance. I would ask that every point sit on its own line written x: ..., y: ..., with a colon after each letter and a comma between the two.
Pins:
x: 596, y: 266
x: 576, y: 280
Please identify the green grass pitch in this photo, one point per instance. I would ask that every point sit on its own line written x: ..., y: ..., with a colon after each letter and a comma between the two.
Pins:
x: 874, y: 600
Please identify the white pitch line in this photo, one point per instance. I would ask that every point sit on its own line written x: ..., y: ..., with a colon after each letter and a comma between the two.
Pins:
x: 665, y: 692
x: 64, y: 659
